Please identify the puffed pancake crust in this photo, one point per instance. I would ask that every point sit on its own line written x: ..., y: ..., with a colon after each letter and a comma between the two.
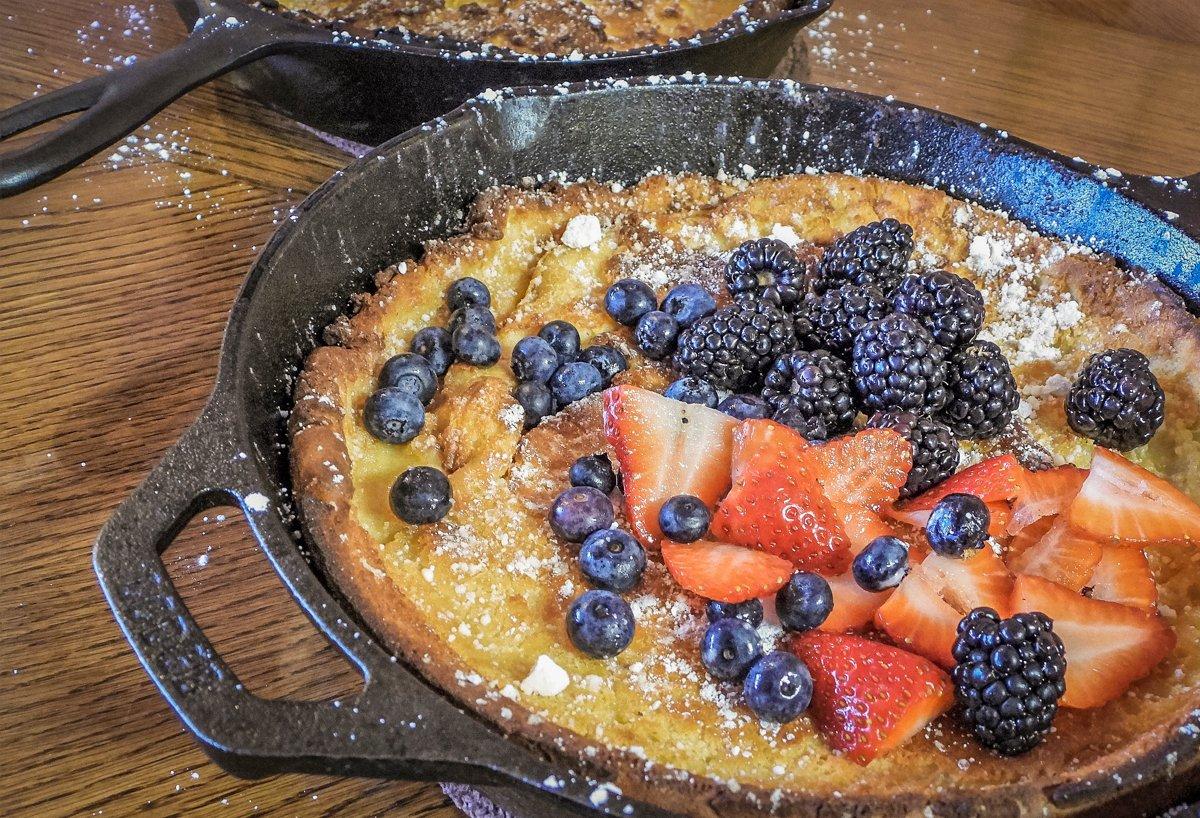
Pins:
x: 474, y: 600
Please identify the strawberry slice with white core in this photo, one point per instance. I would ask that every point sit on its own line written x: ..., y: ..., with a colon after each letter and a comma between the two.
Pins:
x: 979, y: 580
x: 723, y: 572
x: 917, y: 618
x: 923, y: 613
x: 1063, y: 555
x: 853, y: 608
x: 1123, y: 575
x: 1108, y: 646
x: 1120, y: 502
x: 1045, y: 493
x: 665, y: 447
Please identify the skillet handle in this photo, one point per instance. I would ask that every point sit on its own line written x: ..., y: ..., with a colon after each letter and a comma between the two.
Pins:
x: 116, y: 103
x: 244, y: 733
x: 398, y: 727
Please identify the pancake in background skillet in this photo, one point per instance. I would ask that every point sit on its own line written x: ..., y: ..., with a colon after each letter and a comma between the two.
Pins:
x: 542, y: 27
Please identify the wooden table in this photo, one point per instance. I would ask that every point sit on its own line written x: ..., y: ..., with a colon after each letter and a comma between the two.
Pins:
x: 114, y: 285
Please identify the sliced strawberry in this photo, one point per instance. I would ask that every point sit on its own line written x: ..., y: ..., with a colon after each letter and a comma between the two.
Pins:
x: 917, y: 517
x: 1122, y: 575
x: 869, y: 698
x: 1063, y: 555
x: 865, y: 469
x: 1029, y: 536
x: 726, y: 573
x: 853, y: 608
x: 1122, y: 502
x: 923, y: 613
x: 916, y: 617
x: 1108, y: 646
x: 776, y: 504
x: 1045, y: 493
x: 977, y: 580
x: 991, y: 480
x: 665, y: 447
x: 861, y: 525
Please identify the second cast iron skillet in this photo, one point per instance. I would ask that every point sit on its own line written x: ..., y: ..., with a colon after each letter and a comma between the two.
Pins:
x: 364, y: 88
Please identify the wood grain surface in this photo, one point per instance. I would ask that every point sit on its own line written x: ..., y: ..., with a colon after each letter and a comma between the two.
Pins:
x: 114, y: 285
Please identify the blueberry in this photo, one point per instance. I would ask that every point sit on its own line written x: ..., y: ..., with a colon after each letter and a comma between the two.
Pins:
x: 575, y: 381
x: 655, y: 334
x: 729, y: 647
x: 433, y: 344
x: 750, y: 611
x: 745, y: 407
x: 468, y: 292
x: 881, y: 565
x: 684, y: 518
x: 628, y: 300
x: 958, y: 524
x: 393, y: 415
x: 612, y: 559
x: 596, y: 471
x: 579, y: 511
x: 475, y: 346
x: 691, y: 389
x: 536, y: 400
x: 805, y: 602
x: 412, y: 373
x: 563, y: 337
x: 688, y: 303
x: 421, y: 495
x: 608, y: 359
x: 778, y: 687
x: 477, y: 317
x: 600, y: 624
x: 533, y: 359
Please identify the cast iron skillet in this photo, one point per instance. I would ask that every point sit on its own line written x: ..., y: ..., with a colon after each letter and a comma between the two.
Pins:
x: 414, y: 188
x: 363, y: 88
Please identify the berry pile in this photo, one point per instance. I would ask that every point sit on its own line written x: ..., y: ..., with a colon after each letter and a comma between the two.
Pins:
x: 553, y: 372
x: 820, y: 342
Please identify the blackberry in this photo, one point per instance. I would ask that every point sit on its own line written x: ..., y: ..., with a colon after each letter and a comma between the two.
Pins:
x: 837, y: 315
x: 897, y: 366
x: 1008, y: 678
x: 982, y: 392
x: 1116, y: 400
x: 947, y: 305
x: 935, y: 449
x: 763, y: 263
x: 810, y: 391
x: 876, y: 253
x: 733, y: 347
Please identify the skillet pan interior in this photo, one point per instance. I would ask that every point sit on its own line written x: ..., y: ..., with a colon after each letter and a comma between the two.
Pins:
x: 416, y: 187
